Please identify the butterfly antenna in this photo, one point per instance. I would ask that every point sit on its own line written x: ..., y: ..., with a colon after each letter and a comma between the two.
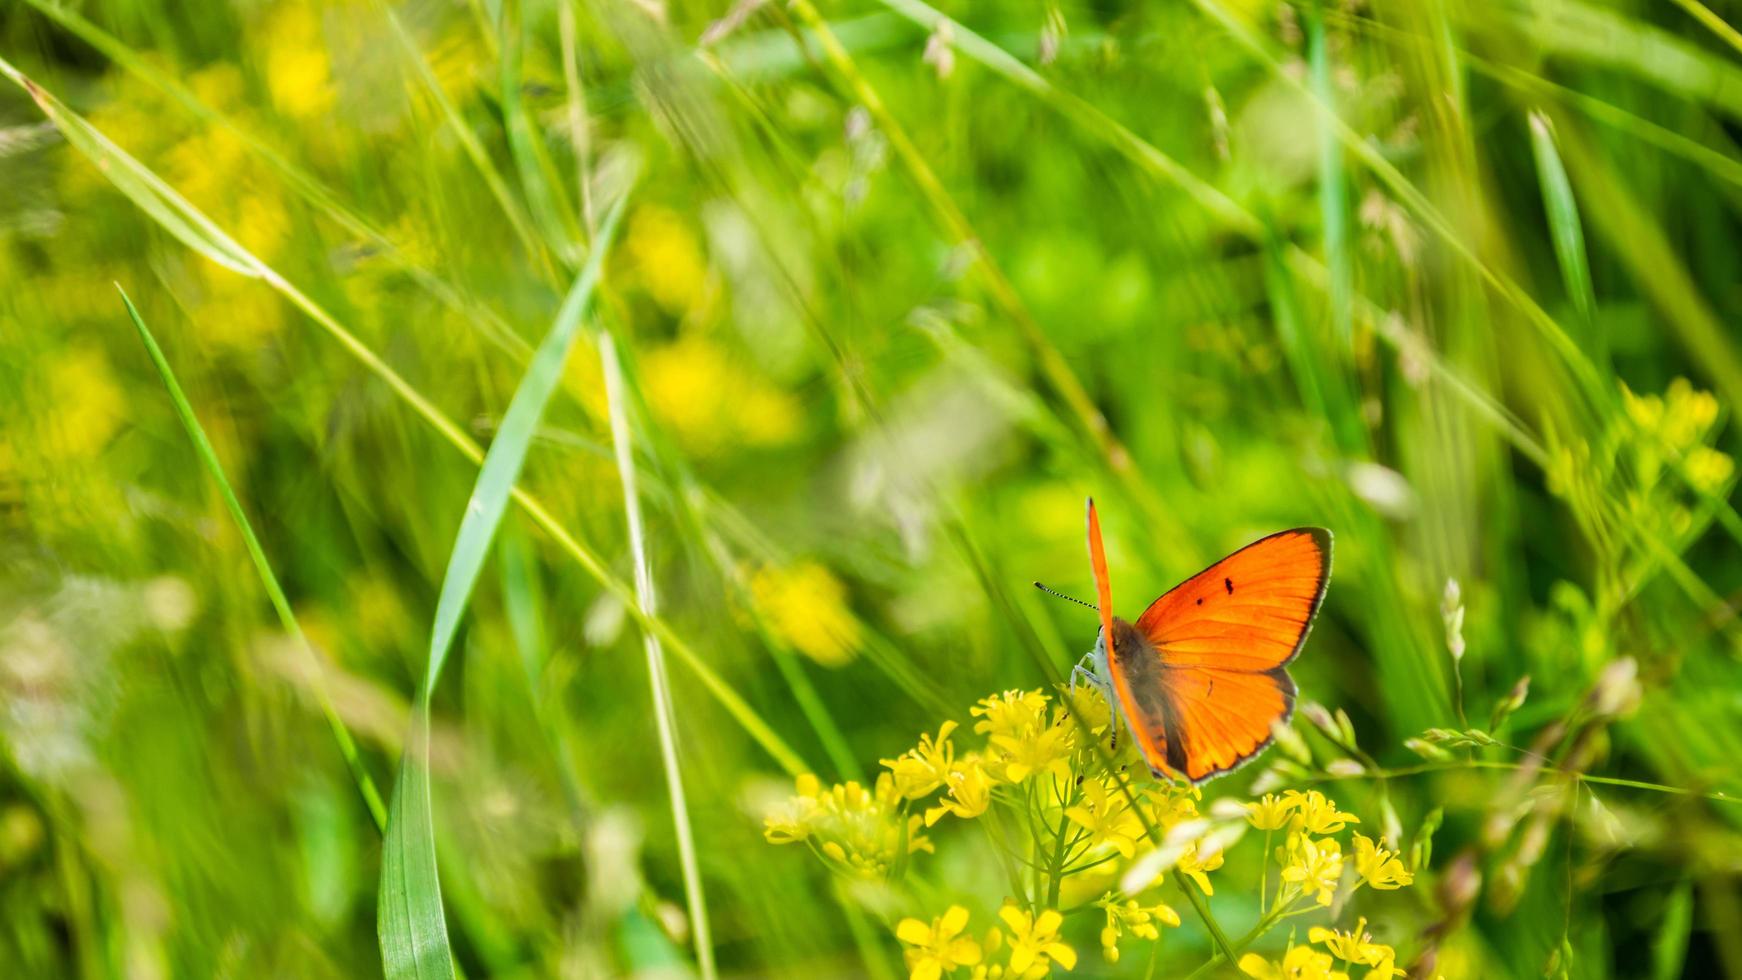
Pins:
x: 1061, y: 595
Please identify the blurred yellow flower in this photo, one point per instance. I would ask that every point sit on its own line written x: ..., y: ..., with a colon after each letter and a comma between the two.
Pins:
x: 668, y: 261
x: 1314, y: 865
x: 1299, y: 963
x: 710, y: 403
x: 1379, y: 867
x: 1107, y: 817
x: 79, y: 403
x: 1034, y: 941
x: 790, y: 822
x: 923, y: 769
x: 298, y: 72
x: 970, y: 791
x: 806, y: 606
x: 1708, y: 469
x: 938, y: 948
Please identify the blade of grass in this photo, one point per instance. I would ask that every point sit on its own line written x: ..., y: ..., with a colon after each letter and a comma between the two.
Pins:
x: 1566, y: 231
x: 160, y: 201
x: 411, y: 927
x: 257, y: 554
x: 656, y: 676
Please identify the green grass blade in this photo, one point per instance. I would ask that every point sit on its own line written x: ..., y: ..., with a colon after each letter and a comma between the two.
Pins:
x: 274, y: 592
x: 412, y: 929
x: 615, y: 395
x: 1565, y: 229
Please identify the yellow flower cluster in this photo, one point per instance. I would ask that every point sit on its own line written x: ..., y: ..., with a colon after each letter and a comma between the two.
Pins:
x: 1312, y: 861
x: 1044, y: 780
x: 1028, y: 945
x: 859, y: 831
x: 1128, y: 916
x: 1353, y: 948
x: 806, y: 605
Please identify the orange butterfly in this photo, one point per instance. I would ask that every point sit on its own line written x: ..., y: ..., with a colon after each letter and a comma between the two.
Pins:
x: 1200, y: 678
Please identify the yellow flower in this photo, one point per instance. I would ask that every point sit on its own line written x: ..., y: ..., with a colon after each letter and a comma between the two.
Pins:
x: 1107, y: 817
x: 923, y: 769
x: 1315, y: 866
x: 1034, y: 942
x: 1270, y: 813
x: 1195, y: 867
x: 940, y: 947
x: 1173, y: 803
x: 1708, y: 469
x: 82, y: 406
x: 1299, y: 963
x: 1128, y: 916
x: 1316, y: 814
x: 859, y: 830
x: 970, y: 791
x: 1044, y: 750
x: 711, y: 401
x: 297, y: 69
x: 1011, y: 713
x: 790, y: 822
x: 1379, y: 867
x: 806, y: 606
x: 1355, y: 946
x: 667, y: 259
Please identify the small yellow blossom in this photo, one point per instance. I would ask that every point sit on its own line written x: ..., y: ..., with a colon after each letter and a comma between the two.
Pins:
x: 1196, y: 867
x: 297, y: 69
x: 1128, y: 916
x: 923, y: 769
x: 970, y: 791
x: 1011, y: 713
x: 1270, y: 813
x: 1171, y: 804
x: 940, y: 947
x: 1317, y: 814
x: 806, y: 606
x: 1358, y: 947
x: 860, y: 830
x: 668, y: 261
x: 1107, y: 817
x: 711, y: 401
x: 790, y: 822
x: 1379, y: 867
x: 1315, y: 865
x: 1299, y: 963
x: 1034, y: 941
x: 1045, y: 750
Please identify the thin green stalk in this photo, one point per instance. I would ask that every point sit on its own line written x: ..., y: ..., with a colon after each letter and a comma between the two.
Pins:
x: 647, y: 600
x: 257, y: 554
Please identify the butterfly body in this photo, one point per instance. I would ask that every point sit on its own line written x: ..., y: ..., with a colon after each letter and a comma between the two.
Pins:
x: 1200, y: 677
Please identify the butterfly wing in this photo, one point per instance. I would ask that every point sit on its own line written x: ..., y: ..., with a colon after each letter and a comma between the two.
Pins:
x: 1221, y: 639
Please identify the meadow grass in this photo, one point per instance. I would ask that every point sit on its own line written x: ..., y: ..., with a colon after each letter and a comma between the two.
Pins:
x: 475, y: 327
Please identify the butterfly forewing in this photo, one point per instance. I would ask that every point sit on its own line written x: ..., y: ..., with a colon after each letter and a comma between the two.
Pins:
x: 1249, y: 611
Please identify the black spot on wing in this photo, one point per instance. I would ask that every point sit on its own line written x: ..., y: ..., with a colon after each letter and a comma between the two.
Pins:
x: 1230, y: 584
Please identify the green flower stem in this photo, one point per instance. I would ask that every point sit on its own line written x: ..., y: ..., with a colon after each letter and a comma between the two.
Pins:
x: 1203, y: 909
x: 995, y: 831
x: 1055, y: 872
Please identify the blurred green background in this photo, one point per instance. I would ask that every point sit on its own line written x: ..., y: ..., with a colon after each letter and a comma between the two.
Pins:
x: 897, y: 287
